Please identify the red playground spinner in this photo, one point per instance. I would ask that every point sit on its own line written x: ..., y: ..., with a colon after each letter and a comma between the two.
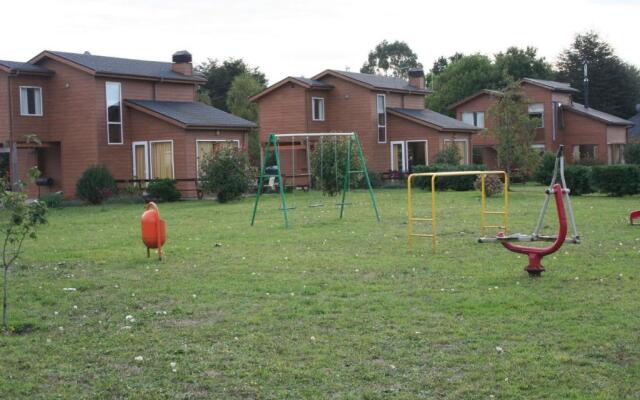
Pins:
x: 153, y: 229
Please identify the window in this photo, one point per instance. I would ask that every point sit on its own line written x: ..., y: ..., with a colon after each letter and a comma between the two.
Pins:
x: 416, y: 153
x: 317, y: 108
x: 476, y: 157
x: 30, y: 101
x: 398, y: 156
x: 585, y: 152
x: 536, y: 111
x: 114, y: 112
x: 162, y: 160
x: 616, y: 154
x: 538, y: 148
x: 475, y: 118
x: 382, y: 118
x: 462, y: 145
x: 205, y: 148
x: 140, y: 160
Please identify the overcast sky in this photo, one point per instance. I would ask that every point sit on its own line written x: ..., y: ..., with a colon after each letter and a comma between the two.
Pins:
x: 302, y: 38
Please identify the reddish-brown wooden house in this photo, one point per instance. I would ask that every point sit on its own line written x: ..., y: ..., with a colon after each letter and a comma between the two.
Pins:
x: 387, y: 113
x: 584, y: 131
x: 138, y: 118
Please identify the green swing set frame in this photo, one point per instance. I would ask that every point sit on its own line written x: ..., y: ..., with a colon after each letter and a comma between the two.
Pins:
x: 272, y: 150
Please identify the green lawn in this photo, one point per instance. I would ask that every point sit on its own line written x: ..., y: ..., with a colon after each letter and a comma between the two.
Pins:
x: 327, y: 309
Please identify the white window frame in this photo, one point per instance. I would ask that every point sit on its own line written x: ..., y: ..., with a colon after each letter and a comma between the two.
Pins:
x: 403, y: 146
x: 313, y: 109
x: 173, y: 157
x: 147, y: 173
x: 426, y: 150
x: 106, y: 110
x: 474, y: 117
x: 541, y: 113
x: 384, y: 111
x: 538, y: 147
x: 210, y: 140
x: 22, y: 114
x: 465, y: 156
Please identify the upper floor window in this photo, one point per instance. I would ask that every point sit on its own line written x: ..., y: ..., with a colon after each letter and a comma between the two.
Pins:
x: 30, y: 101
x: 382, y: 118
x: 536, y: 111
x: 114, y: 112
x: 317, y: 108
x: 475, y: 118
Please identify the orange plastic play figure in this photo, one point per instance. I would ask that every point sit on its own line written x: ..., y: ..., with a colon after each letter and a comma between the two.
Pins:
x: 153, y: 229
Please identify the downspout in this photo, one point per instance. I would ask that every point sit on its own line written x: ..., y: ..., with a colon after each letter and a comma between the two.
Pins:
x: 13, y: 148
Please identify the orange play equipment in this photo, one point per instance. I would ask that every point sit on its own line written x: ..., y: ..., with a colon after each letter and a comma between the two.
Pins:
x: 154, y: 229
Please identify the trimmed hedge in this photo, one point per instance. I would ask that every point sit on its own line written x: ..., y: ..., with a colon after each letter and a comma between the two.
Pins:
x: 456, y: 183
x: 616, y: 180
x: 163, y: 190
x: 578, y: 179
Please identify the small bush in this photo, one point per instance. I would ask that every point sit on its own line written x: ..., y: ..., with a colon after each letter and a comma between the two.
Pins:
x: 226, y: 173
x: 163, y: 190
x: 52, y: 200
x: 545, y: 169
x: 492, y: 185
x: 324, y: 157
x: 449, y: 155
x: 578, y: 179
x: 632, y: 153
x: 96, y: 185
x: 376, y: 179
x: 616, y: 180
x: 457, y: 183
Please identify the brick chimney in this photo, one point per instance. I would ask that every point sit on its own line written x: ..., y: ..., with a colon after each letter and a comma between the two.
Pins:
x: 182, y: 63
x: 416, y: 77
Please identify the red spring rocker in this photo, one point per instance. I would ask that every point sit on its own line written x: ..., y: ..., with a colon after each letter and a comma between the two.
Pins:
x: 535, y: 254
x: 153, y: 229
x: 634, y: 216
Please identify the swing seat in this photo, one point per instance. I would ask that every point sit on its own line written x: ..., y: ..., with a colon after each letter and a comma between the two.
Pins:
x: 314, y: 205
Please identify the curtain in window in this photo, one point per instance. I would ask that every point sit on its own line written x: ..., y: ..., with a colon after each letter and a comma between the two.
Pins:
x: 162, y: 160
x: 140, y: 162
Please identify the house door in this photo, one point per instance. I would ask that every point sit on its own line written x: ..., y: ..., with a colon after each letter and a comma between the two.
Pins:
x: 398, y: 157
x: 140, y: 160
x: 416, y: 153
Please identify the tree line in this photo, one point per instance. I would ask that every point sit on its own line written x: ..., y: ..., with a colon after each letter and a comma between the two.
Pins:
x: 614, y: 85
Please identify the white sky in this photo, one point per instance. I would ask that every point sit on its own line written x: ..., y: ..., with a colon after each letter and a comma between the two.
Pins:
x: 302, y: 38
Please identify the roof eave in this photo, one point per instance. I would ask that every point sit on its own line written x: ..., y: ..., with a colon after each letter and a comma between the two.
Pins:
x: 220, y: 127
x: 586, y: 114
x: 432, y: 125
x: 149, y: 78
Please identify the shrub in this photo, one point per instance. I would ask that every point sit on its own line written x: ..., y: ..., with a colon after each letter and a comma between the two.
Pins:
x: 449, y: 155
x: 96, y: 185
x: 545, y: 169
x: 617, y: 180
x: 632, y: 153
x: 52, y: 200
x: 492, y: 185
x: 457, y: 183
x: 163, y: 190
x: 225, y: 173
x: 324, y: 157
x: 578, y: 178
x: 376, y: 179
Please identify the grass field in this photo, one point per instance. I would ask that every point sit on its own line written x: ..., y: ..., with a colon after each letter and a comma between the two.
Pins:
x: 327, y: 309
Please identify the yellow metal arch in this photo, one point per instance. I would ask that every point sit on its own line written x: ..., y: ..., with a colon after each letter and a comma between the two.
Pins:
x: 483, y: 212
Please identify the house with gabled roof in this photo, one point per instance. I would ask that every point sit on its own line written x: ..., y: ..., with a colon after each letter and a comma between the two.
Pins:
x: 388, y: 113
x: 586, y: 133
x: 138, y: 118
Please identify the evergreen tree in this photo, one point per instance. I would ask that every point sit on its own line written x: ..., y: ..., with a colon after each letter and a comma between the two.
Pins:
x: 614, y: 86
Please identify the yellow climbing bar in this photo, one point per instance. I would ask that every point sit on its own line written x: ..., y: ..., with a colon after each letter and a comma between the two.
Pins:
x: 483, y: 211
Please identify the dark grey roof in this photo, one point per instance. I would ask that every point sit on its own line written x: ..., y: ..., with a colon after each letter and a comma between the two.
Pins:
x: 634, y: 131
x: 25, y: 67
x: 553, y: 85
x: 382, y: 82
x: 312, y: 82
x: 434, y: 118
x: 194, y: 114
x: 125, y: 66
x: 602, y: 116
